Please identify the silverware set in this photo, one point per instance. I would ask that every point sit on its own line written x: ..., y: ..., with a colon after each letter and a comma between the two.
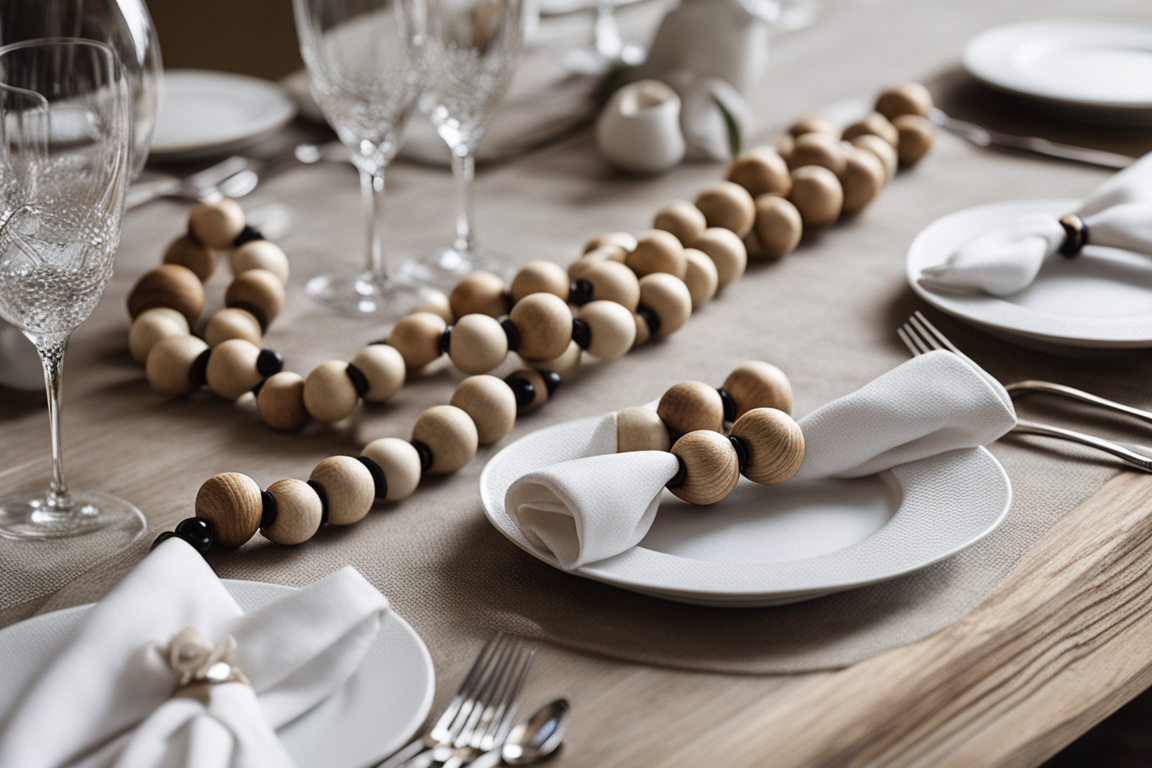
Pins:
x: 921, y: 337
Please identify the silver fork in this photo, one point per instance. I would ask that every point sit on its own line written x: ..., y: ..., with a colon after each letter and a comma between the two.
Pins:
x: 489, y: 727
x: 921, y: 337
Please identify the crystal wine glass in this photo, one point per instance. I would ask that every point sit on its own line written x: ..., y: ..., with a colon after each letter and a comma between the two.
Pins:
x: 468, y: 51
x: 608, y: 49
x: 65, y: 162
x: 366, y: 84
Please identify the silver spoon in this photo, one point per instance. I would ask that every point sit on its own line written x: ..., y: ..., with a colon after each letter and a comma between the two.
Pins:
x: 532, y: 740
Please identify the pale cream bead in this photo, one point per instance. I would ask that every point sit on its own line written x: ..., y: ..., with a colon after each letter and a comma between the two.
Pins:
x: 701, y: 278
x: 727, y: 205
x: 814, y: 124
x: 611, y: 327
x: 691, y: 405
x: 544, y: 322
x: 260, y: 254
x: 169, y: 285
x: 152, y: 326
x: 298, y: 512
x: 417, y: 338
x: 400, y: 462
x: 727, y: 252
x: 450, y: 435
x: 566, y: 366
x: 383, y: 367
x: 481, y: 292
x: 915, y: 138
x: 188, y: 253
x: 231, y: 502
x: 216, y: 224
x: 775, y: 445
x: 641, y: 429
x: 540, y: 277
x: 477, y: 343
x: 349, y: 488
x: 603, y: 253
x: 757, y: 384
x: 817, y: 195
x: 885, y: 153
x: 904, y: 99
x: 490, y: 403
x: 761, y: 171
x: 258, y: 288
x: 779, y: 227
x: 232, y: 368
x: 681, y: 219
x: 711, y: 467
x: 623, y: 240
x: 437, y: 304
x: 613, y: 282
x: 873, y: 125
x: 280, y: 402
x: 668, y: 297
x: 170, y: 361
x: 657, y: 251
x: 819, y: 149
x: 329, y: 395
x: 232, y: 323
x: 862, y: 180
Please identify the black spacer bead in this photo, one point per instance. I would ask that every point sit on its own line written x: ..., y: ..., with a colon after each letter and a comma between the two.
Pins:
x: 253, y: 310
x: 378, y: 478
x: 198, y: 373
x: 259, y: 386
x: 163, y: 537
x: 197, y: 532
x: 425, y: 455
x: 379, y: 341
x: 741, y: 450
x: 579, y: 292
x: 681, y: 473
x: 269, y: 509
x: 269, y: 362
x: 446, y: 339
x: 509, y: 302
x: 581, y: 333
x: 551, y: 381
x: 729, y: 405
x: 513, y: 334
x: 323, y: 500
x: 523, y: 390
x: 359, y: 380
x: 247, y: 235
x: 651, y: 319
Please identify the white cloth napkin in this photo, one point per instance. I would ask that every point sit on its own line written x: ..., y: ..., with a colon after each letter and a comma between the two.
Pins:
x: 105, y: 700
x: 592, y: 508
x: 1007, y: 259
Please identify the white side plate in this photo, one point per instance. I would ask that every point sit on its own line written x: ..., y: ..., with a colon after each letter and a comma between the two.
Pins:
x: 769, y: 546
x: 375, y: 713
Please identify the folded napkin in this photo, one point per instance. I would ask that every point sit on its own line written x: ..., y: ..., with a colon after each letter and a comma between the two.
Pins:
x: 1007, y: 259
x: 107, y: 700
x: 588, y: 509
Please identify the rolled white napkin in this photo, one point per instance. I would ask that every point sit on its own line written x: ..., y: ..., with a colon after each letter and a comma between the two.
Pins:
x: 1007, y: 259
x: 588, y: 509
x: 106, y: 700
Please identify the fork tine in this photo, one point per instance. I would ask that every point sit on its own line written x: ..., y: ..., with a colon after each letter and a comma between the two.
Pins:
x: 926, y: 336
x: 904, y: 337
x: 466, y: 689
x: 503, y: 724
x: 935, y: 333
x: 917, y: 343
x: 491, y: 685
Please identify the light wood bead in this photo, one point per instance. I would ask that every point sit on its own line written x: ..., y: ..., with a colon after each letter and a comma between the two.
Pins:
x: 757, y: 384
x: 152, y: 326
x: 170, y: 361
x: 657, y: 251
x: 539, y: 387
x: 232, y: 368
x: 217, y: 224
x: 711, y: 467
x: 417, y: 338
x: 400, y: 462
x: 761, y: 171
x: 348, y: 486
x: 596, y: 255
x: 873, y: 125
x: 623, y: 240
x: 477, y: 343
x: 819, y: 149
x: 779, y: 227
x: 701, y: 278
x: 611, y: 329
x: 862, y: 180
x: 885, y: 153
x: 640, y: 429
x: 915, y: 138
x: 540, y: 277
x: 281, y: 401
x: 613, y: 282
x: 383, y: 366
x: 170, y: 285
x: 480, y: 292
x: 258, y: 288
x: 784, y: 147
x: 727, y: 252
x: 643, y: 333
x: 260, y: 254
x: 817, y: 195
x: 682, y: 219
x: 329, y: 395
x: 566, y: 366
x: 775, y: 445
x: 491, y: 405
x: 298, y: 512
x: 231, y: 503
x: 437, y: 304
x: 691, y: 405
x: 545, y: 325
x: 668, y: 297
x: 904, y: 99
x: 188, y: 253
x: 232, y: 323
x: 727, y: 205
x: 450, y: 435
x: 814, y: 124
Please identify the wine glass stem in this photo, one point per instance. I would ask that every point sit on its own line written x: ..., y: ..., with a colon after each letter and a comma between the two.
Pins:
x: 52, y: 357
x: 372, y: 190
x: 608, y: 41
x: 464, y: 169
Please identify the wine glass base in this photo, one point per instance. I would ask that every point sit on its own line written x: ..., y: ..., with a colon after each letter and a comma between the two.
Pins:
x: 589, y: 61
x: 30, y: 516
x: 444, y: 267
x: 360, y: 293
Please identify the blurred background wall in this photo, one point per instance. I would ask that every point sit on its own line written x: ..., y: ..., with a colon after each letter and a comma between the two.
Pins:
x: 254, y: 37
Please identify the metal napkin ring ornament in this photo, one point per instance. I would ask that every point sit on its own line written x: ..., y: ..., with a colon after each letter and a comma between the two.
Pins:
x: 200, y: 665
x: 1076, y: 235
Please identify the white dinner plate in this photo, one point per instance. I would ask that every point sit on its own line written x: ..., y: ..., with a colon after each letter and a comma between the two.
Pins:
x: 774, y: 545
x: 375, y: 713
x: 204, y: 113
x: 1094, y: 69
x: 1102, y: 299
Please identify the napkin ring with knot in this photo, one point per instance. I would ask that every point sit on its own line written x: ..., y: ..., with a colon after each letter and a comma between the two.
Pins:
x: 201, y: 665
